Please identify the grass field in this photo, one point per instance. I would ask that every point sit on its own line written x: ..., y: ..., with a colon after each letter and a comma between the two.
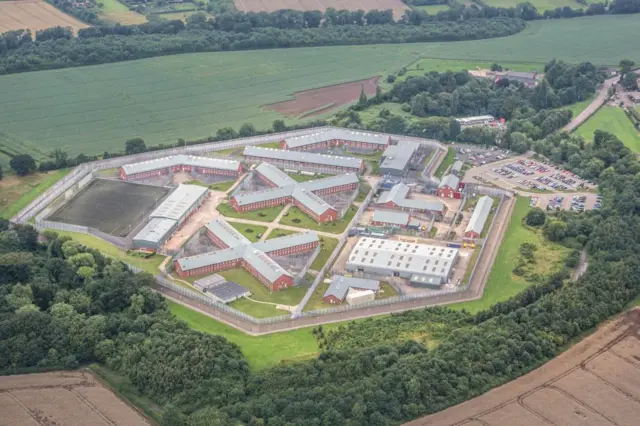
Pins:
x: 446, y: 162
x: 432, y: 9
x: 328, y: 245
x: 298, y: 177
x: 613, y: 120
x: 541, y: 5
x: 299, y: 219
x: 251, y: 232
x: 16, y: 192
x: 96, y: 108
x: 578, y: 107
x: 110, y: 6
x: 279, y: 232
x: 502, y: 283
x: 315, y: 301
x: 263, y: 215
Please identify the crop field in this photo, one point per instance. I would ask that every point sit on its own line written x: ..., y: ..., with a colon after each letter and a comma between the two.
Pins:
x: 110, y: 206
x: 614, y: 120
x: 541, y: 5
x: 433, y: 9
x: 114, y: 11
x: 97, y: 108
x: 34, y: 15
x: 397, y: 6
x: 62, y: 398
x: 596, y: 382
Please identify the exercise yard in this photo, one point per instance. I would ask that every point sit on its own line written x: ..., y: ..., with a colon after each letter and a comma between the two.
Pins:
x: 110, y: 206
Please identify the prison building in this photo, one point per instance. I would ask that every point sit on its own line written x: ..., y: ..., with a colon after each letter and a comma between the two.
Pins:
x: 303, y: 195
x: 180, y: 163
x: 336, y: 137
x: 479, y: 217
x: 391, y: 219
x: 340, y: 286
x: 397, y: 198
x: 399, y: 259
x: 154, y: 234
x: 221, y: 290
x: 456, y: 168
x: 181, y: 203
x: 237, y: 251
x: 475, y: 121
x: 448, y: 187
x: 396, y: 158
x: 330, y: 164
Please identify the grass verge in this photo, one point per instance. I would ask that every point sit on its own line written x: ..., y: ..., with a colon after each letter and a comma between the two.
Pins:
x: 300, y: 220
x: 263, y: 215
x: 446, y: 162
x: 328, y: 246
x: 259, y: 291
x: 249, y: 231
x: 279, y: 232
x: 16, y: 192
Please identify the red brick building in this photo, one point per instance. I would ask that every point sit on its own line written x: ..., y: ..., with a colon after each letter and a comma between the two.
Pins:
x: 337, y: 137
x: 330, y: 164
x: 449, y: 187
x: 181, y: 163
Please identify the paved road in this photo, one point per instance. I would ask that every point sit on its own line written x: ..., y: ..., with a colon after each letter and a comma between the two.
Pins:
x: 600, y: 99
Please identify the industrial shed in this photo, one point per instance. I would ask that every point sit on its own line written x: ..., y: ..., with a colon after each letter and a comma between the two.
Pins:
x: 479, y: 217
x: 396, y: 158
x: 393, y: 219
x: 340, y: 286
x: 154, y: 234
x: 331, y: 164
x: 181, y: 203
x: 395, y: 258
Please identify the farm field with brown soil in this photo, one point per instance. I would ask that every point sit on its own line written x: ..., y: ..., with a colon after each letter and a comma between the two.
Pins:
x: 397, y: 6
x: 596, y: 382
x: 61, y: 399
x: 34, y: 15
x: 309, y: 103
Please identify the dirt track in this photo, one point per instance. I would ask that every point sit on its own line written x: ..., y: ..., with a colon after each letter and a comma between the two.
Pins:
x: 34, y: 15
x: 596, y: 382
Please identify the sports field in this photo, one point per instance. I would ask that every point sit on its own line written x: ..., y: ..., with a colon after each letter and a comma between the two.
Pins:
x: 112, y: 207
x: 614, y: 120
x: 97, y: 108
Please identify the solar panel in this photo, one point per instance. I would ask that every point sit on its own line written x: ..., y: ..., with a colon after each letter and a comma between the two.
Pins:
x: 228, y: 291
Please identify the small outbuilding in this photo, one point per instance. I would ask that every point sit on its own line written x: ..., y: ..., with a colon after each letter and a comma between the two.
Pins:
x: 340, y: 286
x: 448, y: 187
x: 479, y: 217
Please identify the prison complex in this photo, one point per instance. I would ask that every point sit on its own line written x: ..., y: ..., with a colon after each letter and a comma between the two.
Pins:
x: 424, y: 265
x: 169, y: 216
x: 340, y: 286
x: 479, y: 217
x: 337, y: 137
x: 180, y: 163
x: 285, y: 189
x: 236, y: 250
x: 396, y: 158
x: 397, y: 198
x: 331, y: 164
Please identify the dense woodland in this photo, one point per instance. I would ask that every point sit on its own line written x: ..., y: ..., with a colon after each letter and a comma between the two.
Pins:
x: 433, y: 100
x: 63, y: 305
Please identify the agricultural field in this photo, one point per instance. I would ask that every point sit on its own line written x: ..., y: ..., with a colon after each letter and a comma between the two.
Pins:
x: 34, y: 15
x: 541, y: 5
x: 433, y: 9
x: 502, y: 282
x: 116, y: 12
x: 62, y: 398
x: 16, y: 192
x: 97, y: 108
x: 397, y: 6
x: 614, y: 120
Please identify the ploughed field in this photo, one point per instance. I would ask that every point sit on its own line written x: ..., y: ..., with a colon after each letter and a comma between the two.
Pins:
x: 34, y: 15
x: 596, y: 382
x: 62, y: 399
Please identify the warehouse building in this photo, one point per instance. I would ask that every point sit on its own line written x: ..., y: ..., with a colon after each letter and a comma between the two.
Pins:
x: 181, y: 163
x: 340, y: 287
x: 336, y: 137
x: 479, y: 217
x: 391, y: 219
x: 236, y: 250
x: 169, y: 216
x: 399, y: 259
x: 303, y: 195
x: 396, y: 158
x: 397, y: 198
x: 330, y: 164
x: 448, y: 187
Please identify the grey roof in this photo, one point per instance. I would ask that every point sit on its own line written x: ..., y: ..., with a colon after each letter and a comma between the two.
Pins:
x: 156, y: 231
x: 476, y: 119
x: 337, y: 134
x: 393, y: 255
x: 275, y: 175
x: 209, y: 281
x: 305, y: 157
x: 340, y: 285
x: 519, y: 75
x: 480, y: 215
x: 421, y: 279
x: 391, y: 217
x: 457, y: 166
x: 449, y: 180
x: 227, y: 233
x: 176, y: 160
x: 176, y: 205
x: 399, y: 193
x: 228, y: 291
x: 254, y: 254
x: 397, y: 157
x: 302, y: 192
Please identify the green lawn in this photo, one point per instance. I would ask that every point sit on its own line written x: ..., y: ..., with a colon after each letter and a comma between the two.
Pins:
x: 502, y: 283
x: 448, y: 161
x: 541, y: 5
x: 149, y: 265
x: 96, y: 108
x: 299, y: 177
x: 279, y: 232
x: 386, y: 291
x: 614, y: 120
x: 251, y: 232
x: 222, y: 186
x: 432, y: 9
x: 111, y: 6
x: 256, y: 309
x: 363, y: 191
x: 299, y: 219
x: 263, y: 215
x: 578, y: 107
x: 315, y: 301
x: 16, y: 192
x: 290, y: 296
x: 328, y: 245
